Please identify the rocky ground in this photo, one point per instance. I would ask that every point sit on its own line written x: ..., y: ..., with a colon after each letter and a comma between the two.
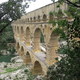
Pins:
x: 16, y: 70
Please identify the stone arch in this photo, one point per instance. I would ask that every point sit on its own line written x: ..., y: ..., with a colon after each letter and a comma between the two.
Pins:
x: 44, y: 17
x: 17, y: 46
x: 27, y: 58
x: 22, y: 33
x: 31, y: 19
x: 22, y: 51
x: 42, y: 38
x: 52, y: 47
x: 28, y: 19
x: 37, y: 36
x: 37, y: 68
x: 27, y: 36
x: 18, y: 30
x: 34, y: 19
x: 38, y: 17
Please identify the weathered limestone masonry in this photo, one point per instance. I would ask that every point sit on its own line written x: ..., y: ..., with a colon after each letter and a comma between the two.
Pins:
x: 28, y: 32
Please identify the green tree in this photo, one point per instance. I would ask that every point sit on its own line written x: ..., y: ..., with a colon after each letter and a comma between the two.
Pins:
x: 10, y: 11
x: 68, y: 68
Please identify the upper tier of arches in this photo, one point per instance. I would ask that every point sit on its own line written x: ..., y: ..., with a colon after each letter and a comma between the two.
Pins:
x: 42, y: 14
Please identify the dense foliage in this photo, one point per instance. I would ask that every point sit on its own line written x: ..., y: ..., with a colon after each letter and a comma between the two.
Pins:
x: 68, y: 68
x: 10, y: 11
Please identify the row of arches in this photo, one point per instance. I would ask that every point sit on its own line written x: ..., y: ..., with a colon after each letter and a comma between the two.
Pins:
x: 40, y: 18
x: 38, y: 39
x: 51, y: 46
x: 37, y: 68
x: 26, y: 36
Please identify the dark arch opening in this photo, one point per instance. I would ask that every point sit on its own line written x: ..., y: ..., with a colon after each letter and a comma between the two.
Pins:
x: 17, y: 46
x: 27, y: 58
x: 44, y: 17
x: 27, y: 36
x: 18, y: 30
x: 38, y: 18
x: 37, y: 68
x: 31, y: 19
x: 28, y: 19
x: 22, y: 34
x: 22, y: 51
x: 42, y: 38
x: 38, y: 38
x: 22, y: 30
x: 34, y: 19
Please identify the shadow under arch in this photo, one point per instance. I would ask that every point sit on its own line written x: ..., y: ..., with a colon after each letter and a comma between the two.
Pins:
x: 22, y: 33
x: 37, y: 39
x: 17, y: 46
x: 27, y: 36
x: 37, y: 69
x: 38, y: 17
x: 31, y: 19
x: 27, y: 58
x: 44, y: 17
x: 18, y: 30
x: 34, y: 19
x: 53, y: 46
x: 22, y: 51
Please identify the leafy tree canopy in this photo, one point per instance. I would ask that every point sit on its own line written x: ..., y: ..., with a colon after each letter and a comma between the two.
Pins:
x: 10, y: 11
x: 68, y: 68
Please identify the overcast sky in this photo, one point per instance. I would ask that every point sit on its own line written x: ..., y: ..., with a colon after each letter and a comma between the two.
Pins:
x: 38, y: 4
x: 34, y: 5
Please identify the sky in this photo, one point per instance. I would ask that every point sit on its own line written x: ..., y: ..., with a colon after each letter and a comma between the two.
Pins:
x: 38, y: 4
x: 34, y: 5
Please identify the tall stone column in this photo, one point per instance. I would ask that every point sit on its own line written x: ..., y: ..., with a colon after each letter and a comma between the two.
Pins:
x: 52, y: 50
x: 37, y: 44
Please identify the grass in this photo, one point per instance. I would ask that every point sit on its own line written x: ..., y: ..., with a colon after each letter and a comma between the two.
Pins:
x: 8, y: 70
x: 12, y: 69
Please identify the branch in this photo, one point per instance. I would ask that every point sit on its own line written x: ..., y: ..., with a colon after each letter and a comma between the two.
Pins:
x: 73, y: 3
x: 2, y: 14
x: 5, y: 27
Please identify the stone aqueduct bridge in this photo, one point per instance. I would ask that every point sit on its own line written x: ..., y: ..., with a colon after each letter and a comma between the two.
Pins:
x: 27, y: 33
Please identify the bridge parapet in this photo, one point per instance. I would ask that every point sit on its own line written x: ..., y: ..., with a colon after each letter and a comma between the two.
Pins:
x: 42, y: 14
